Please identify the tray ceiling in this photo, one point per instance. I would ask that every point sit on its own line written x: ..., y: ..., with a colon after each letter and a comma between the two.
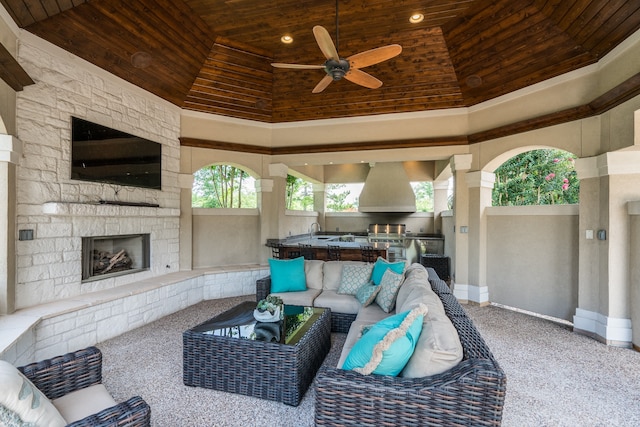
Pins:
x: 214, y: 55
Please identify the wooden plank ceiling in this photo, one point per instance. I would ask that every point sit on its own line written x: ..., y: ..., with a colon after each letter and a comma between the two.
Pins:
x: 214, y: 55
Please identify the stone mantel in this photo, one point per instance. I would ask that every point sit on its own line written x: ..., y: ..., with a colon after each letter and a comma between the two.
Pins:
x: 99, y: 210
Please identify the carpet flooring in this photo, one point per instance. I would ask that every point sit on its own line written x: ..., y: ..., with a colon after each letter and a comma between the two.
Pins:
x: 554, y: 376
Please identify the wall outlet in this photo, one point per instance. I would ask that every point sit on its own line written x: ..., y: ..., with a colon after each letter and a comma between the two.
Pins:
x: 589, y: 235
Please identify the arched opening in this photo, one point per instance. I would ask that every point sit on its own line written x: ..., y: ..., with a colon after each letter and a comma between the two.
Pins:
x: 223, y: 186
x: 537, y: 177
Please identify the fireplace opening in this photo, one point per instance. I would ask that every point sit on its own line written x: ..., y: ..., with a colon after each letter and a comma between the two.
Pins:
x: 107, y: 256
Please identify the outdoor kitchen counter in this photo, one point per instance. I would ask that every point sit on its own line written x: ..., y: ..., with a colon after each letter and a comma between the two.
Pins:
x: 349, y: 251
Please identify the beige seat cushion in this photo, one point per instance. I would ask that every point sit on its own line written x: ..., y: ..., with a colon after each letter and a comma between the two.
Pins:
x: 82, y: 403
x: 303, y: 298
x: 338, y: 303
x: 372, y: 314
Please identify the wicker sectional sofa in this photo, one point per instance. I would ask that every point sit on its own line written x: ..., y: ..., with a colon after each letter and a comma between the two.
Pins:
x: 469, y: 391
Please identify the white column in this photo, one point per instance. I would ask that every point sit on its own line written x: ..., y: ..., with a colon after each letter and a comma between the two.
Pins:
x: 185, y: 182
x: 460, y: 164
x: 607, y: 183
x: 480, y: 185
x: 10, y: 150
x: 440, y: 203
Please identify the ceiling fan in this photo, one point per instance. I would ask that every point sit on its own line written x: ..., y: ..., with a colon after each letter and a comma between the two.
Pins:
x: 349, y: 68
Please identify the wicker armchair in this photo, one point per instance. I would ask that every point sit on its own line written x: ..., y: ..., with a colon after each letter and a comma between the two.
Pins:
x: 64, y: 374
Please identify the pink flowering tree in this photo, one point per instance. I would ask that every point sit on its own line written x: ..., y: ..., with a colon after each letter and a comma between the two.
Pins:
x: 538, y: 177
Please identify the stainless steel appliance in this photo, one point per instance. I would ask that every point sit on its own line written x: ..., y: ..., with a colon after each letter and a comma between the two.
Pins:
x: 391, y: 237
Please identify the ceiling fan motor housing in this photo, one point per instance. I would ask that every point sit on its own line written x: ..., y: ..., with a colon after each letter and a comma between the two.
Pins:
x: 336, y: 68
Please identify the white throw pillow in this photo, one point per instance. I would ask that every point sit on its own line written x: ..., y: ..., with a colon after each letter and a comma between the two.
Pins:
x: 20, y: 398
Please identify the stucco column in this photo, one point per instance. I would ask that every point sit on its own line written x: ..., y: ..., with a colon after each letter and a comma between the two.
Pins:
x: 185, y: 182
x: 460, y: 164
x: 319, y: 202
x: 480, y: 185
x: 271, y: 204
x: 440, y: 203
x: 10, y: 149
x: 607, y: 183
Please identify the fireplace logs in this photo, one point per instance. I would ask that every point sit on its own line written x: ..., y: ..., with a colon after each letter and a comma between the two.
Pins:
x: 105, y: 262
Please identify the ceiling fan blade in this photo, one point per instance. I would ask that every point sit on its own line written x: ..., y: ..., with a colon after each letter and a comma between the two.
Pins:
x: 323, y: 84
x: 325, y: 43
x: 297, y: 66
x: 363, y: 79
x: 374, y: 56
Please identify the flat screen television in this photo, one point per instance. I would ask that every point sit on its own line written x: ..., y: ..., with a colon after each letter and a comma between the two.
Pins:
x: 102, y: 154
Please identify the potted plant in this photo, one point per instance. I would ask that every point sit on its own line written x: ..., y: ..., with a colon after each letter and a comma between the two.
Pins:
x: 269, y: 309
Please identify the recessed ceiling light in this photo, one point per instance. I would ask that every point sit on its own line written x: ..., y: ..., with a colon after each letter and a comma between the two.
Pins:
x: 286, y: 39
x: 416, y: 17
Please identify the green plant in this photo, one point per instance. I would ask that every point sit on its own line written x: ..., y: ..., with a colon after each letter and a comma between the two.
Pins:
x: 270, y: 304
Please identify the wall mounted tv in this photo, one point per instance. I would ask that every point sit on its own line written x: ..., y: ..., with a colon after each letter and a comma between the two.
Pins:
x: 101, y: 154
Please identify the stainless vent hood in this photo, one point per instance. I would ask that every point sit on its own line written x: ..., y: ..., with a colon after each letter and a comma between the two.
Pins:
x: 387, y: 189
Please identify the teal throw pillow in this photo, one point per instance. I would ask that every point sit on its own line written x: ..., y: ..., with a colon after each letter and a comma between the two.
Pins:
x: 287, y: 275
x: 354, y: 276
x: 388, y: 345
x: 389, y: 287
x: 367, y: 294
x: 381, y: 265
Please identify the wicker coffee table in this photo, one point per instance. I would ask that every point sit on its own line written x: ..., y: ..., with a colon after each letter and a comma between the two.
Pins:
x: 232, y: 352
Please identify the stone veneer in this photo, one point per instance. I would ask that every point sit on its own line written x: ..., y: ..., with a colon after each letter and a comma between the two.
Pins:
x: 48, y: 330
x: 61, y: 211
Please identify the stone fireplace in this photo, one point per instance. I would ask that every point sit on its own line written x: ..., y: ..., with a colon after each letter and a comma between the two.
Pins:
x: 108, y: 256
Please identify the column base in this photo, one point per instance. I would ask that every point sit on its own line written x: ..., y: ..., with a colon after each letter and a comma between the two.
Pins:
x: 471, y: 293
x: 608, y: 330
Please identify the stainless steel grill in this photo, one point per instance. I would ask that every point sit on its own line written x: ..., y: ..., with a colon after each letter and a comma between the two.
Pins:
x: 390, y: 237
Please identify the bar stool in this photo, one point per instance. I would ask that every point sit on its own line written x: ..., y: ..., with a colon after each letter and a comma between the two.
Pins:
x: 367, y: 253
x: 333, y: 253
x: 277, y: 251
x: 306, y: 251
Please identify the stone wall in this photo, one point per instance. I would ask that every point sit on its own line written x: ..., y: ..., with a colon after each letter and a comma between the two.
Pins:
x: 60, y: 211
x: 46, y: 331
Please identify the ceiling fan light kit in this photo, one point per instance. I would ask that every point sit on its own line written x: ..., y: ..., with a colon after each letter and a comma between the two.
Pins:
x: 349, y: 68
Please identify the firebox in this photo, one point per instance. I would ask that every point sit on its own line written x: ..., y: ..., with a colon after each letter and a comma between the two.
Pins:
x: 107, y: 256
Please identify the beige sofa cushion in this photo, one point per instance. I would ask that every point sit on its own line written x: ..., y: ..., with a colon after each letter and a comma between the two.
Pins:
x: 338, y: 303
x: 372, y: 314
x: 303, y: 298
x: 84, y: 402
x: 333, y: 273
x: 439, y: 348
x: 313, y: 273
x: 355, y: 332
x: 414, y: 275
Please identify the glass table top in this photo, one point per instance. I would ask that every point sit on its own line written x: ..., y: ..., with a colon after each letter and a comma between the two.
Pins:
x: 239, y: 322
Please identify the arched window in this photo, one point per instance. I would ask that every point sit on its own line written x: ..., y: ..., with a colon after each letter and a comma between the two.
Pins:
x: 223, y: 186
x: 537, y: 177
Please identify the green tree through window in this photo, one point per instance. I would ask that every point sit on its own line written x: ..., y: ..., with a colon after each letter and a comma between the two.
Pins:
x: 337, y: 196
x: 299, y: 194
x: 538, y: 177
x: 223, y: 186
x: 424, y: 195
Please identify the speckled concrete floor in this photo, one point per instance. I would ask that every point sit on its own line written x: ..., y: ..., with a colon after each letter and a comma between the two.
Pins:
x: 554, y: 377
